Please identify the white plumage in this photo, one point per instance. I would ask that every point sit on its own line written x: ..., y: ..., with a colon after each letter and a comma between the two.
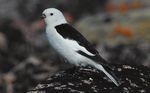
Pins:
x: 67, y: 47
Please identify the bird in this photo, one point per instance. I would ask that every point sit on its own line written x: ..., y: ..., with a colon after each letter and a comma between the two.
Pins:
x: 71, y: 44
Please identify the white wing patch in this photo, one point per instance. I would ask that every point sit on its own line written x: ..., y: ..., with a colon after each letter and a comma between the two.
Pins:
x: 76, y: 47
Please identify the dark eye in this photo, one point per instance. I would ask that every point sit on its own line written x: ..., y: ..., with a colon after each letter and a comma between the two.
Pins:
x: 51, y: 14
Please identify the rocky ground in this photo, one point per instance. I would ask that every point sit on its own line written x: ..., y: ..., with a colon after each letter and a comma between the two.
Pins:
x: 133, y: 79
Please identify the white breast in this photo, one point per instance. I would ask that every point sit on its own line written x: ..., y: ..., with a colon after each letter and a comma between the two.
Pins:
x: 63, y: 46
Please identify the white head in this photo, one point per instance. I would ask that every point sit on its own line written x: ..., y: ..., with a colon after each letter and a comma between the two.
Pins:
x: 53, y: 17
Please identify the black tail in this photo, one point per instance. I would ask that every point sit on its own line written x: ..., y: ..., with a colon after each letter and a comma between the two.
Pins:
x: 111, y: 71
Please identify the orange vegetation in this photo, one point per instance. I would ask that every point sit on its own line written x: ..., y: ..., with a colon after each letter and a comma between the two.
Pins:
x: 109, y: 7
x: 123, y: 7
x: 123, y: 31
x: 135, y: 4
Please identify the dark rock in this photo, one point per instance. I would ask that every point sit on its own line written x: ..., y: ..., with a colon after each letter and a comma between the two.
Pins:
x: 127, y: 54
x: 133, y: 79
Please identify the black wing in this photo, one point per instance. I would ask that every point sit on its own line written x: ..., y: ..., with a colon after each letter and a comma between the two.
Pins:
x: 67, y: 31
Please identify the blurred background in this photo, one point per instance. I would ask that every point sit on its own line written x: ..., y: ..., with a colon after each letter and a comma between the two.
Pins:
x: 119, y: 29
